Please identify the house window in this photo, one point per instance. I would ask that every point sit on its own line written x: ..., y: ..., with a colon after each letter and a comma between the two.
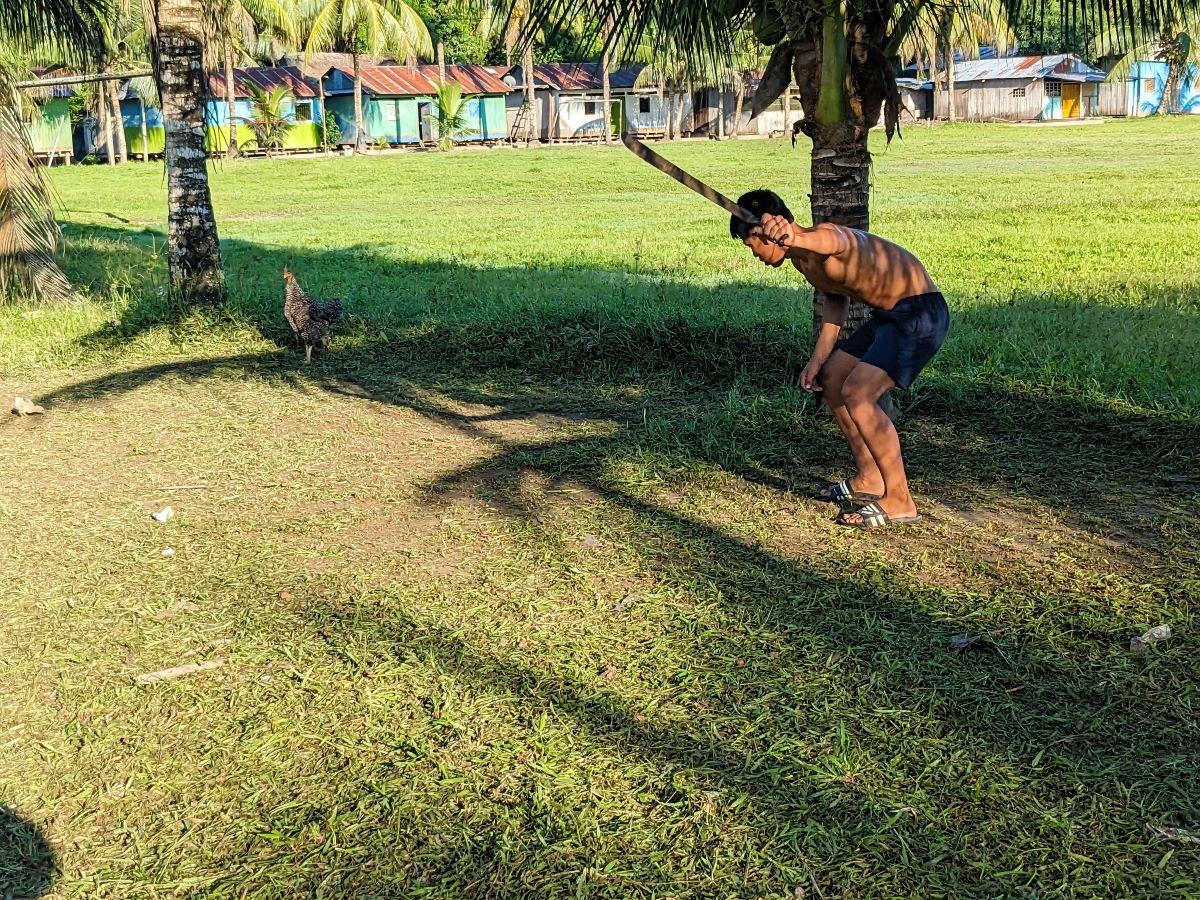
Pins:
x: 1149, y: 84
x: 304, y: 111
x: 1053, y: 88
x: 589, y: 107
x: 643, y: 104
x: 1018, y: 92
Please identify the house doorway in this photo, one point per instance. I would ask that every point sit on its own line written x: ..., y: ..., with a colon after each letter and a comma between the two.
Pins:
x: 424, y: 123
x: 1070, y: 101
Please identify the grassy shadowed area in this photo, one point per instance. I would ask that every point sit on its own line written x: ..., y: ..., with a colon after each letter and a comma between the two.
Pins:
x: 517, y: 591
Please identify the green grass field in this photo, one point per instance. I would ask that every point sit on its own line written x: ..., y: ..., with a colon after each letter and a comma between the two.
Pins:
x: 517, y: 591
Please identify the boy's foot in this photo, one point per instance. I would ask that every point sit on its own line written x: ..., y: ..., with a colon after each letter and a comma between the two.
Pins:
x: 844, y: 492
x: 872, y: 515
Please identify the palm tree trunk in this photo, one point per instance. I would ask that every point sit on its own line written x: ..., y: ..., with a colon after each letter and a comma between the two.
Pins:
x: 230, y: 100
x: 441, y: 58
x: 193, y: 249
x: 948, y: 62
x: 360, y: 125
x: 324, y: 121
x: 1172, y: 88
x: 118, y: 121
x: 104, y: 121
x: 739, y: 88
x: 533, y: 129
x: 691, y: 107
x: 606, y: 112
x: 145, y: 132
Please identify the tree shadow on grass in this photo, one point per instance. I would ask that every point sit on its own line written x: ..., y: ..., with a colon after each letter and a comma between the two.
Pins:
x: 693, y: 392
x: 729, y: 390
x: 27, y: 865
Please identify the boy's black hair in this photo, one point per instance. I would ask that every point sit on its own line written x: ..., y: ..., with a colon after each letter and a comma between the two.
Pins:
x: 758, y: 202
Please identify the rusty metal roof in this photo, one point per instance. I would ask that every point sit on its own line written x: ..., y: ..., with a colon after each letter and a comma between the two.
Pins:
x: 474, y: 79
x: 1063, y: 66
x: 266, y: 78
x: 395, y: 81
x: 577, y: 76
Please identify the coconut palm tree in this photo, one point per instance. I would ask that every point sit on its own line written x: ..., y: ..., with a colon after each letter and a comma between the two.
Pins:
x: 238, y: 27
x: 177, y: 30
x: 449, y: 114
x: 960, y: 28
x: 842, y: 55
x: 1176, y: 42
x: 270, y: 124
x: 363, y: 26
x: 72, y: 31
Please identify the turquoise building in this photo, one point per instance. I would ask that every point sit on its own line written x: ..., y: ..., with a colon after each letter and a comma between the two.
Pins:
x: 398, y: 102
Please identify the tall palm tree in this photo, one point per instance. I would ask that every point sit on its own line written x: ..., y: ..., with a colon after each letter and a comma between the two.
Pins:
x: 363, y: 26
x: 73, y: 31
x: 1176, y: 42
x: 237, y: 26
x: 177, y: 41
x: 841, y: 53
x: 945, y: 30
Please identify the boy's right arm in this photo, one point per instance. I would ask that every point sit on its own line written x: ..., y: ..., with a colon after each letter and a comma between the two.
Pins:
x: 833, y: 316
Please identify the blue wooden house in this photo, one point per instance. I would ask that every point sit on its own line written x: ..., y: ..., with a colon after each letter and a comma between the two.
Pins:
x: 398, y: 102
x: 303, y: 109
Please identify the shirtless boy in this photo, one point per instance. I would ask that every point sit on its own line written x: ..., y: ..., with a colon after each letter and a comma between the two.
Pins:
x: 908, y: 323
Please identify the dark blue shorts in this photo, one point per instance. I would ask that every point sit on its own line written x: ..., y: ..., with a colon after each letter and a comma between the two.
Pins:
x: 902, y: 340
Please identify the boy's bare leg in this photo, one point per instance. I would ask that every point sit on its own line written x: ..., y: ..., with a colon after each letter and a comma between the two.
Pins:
x: 861, y: 392
x: 834, y: 373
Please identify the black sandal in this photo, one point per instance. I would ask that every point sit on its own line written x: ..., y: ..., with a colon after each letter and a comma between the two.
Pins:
x: 873, y: 516
x: 841, y: 492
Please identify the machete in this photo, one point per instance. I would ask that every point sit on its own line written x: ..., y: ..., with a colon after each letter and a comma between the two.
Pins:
x: 688, y: 181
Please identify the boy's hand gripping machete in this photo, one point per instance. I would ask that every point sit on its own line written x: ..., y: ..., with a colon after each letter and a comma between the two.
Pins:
x: 688, y: 181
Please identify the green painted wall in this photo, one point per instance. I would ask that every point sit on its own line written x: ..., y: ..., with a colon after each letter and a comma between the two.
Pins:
x: 51, y: 130
x: 303, y: 136
x: 155, y: 137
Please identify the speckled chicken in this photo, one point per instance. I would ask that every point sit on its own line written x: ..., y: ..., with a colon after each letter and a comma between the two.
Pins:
x: 310, y: 320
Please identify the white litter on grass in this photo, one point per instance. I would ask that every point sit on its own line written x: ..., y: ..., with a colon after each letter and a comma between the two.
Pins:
x: 1140, y: 646
x: 168, y: 552
x: 163, y: 514
x: 179, y: 671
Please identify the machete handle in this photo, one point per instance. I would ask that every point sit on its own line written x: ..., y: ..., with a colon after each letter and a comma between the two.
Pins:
x: 778, y: 242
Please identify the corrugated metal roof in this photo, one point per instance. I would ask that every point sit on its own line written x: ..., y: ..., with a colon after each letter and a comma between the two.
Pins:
x: 319, y: 64
x: 577, y: 76
x: 1058, y: 65
x: 395, y: 81
x: 266, y: 78
x: 57, y: 90
x: 474, y: 79
x: 413, y: 81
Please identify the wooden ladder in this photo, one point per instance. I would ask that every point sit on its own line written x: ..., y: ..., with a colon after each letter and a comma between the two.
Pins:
x: 521, y: 125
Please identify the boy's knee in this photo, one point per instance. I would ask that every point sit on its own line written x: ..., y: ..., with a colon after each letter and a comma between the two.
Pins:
x: 856, y: 393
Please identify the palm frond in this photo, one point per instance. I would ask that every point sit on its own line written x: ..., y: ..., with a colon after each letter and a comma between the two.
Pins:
x: 28, y: 231
x: 74, y: 26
